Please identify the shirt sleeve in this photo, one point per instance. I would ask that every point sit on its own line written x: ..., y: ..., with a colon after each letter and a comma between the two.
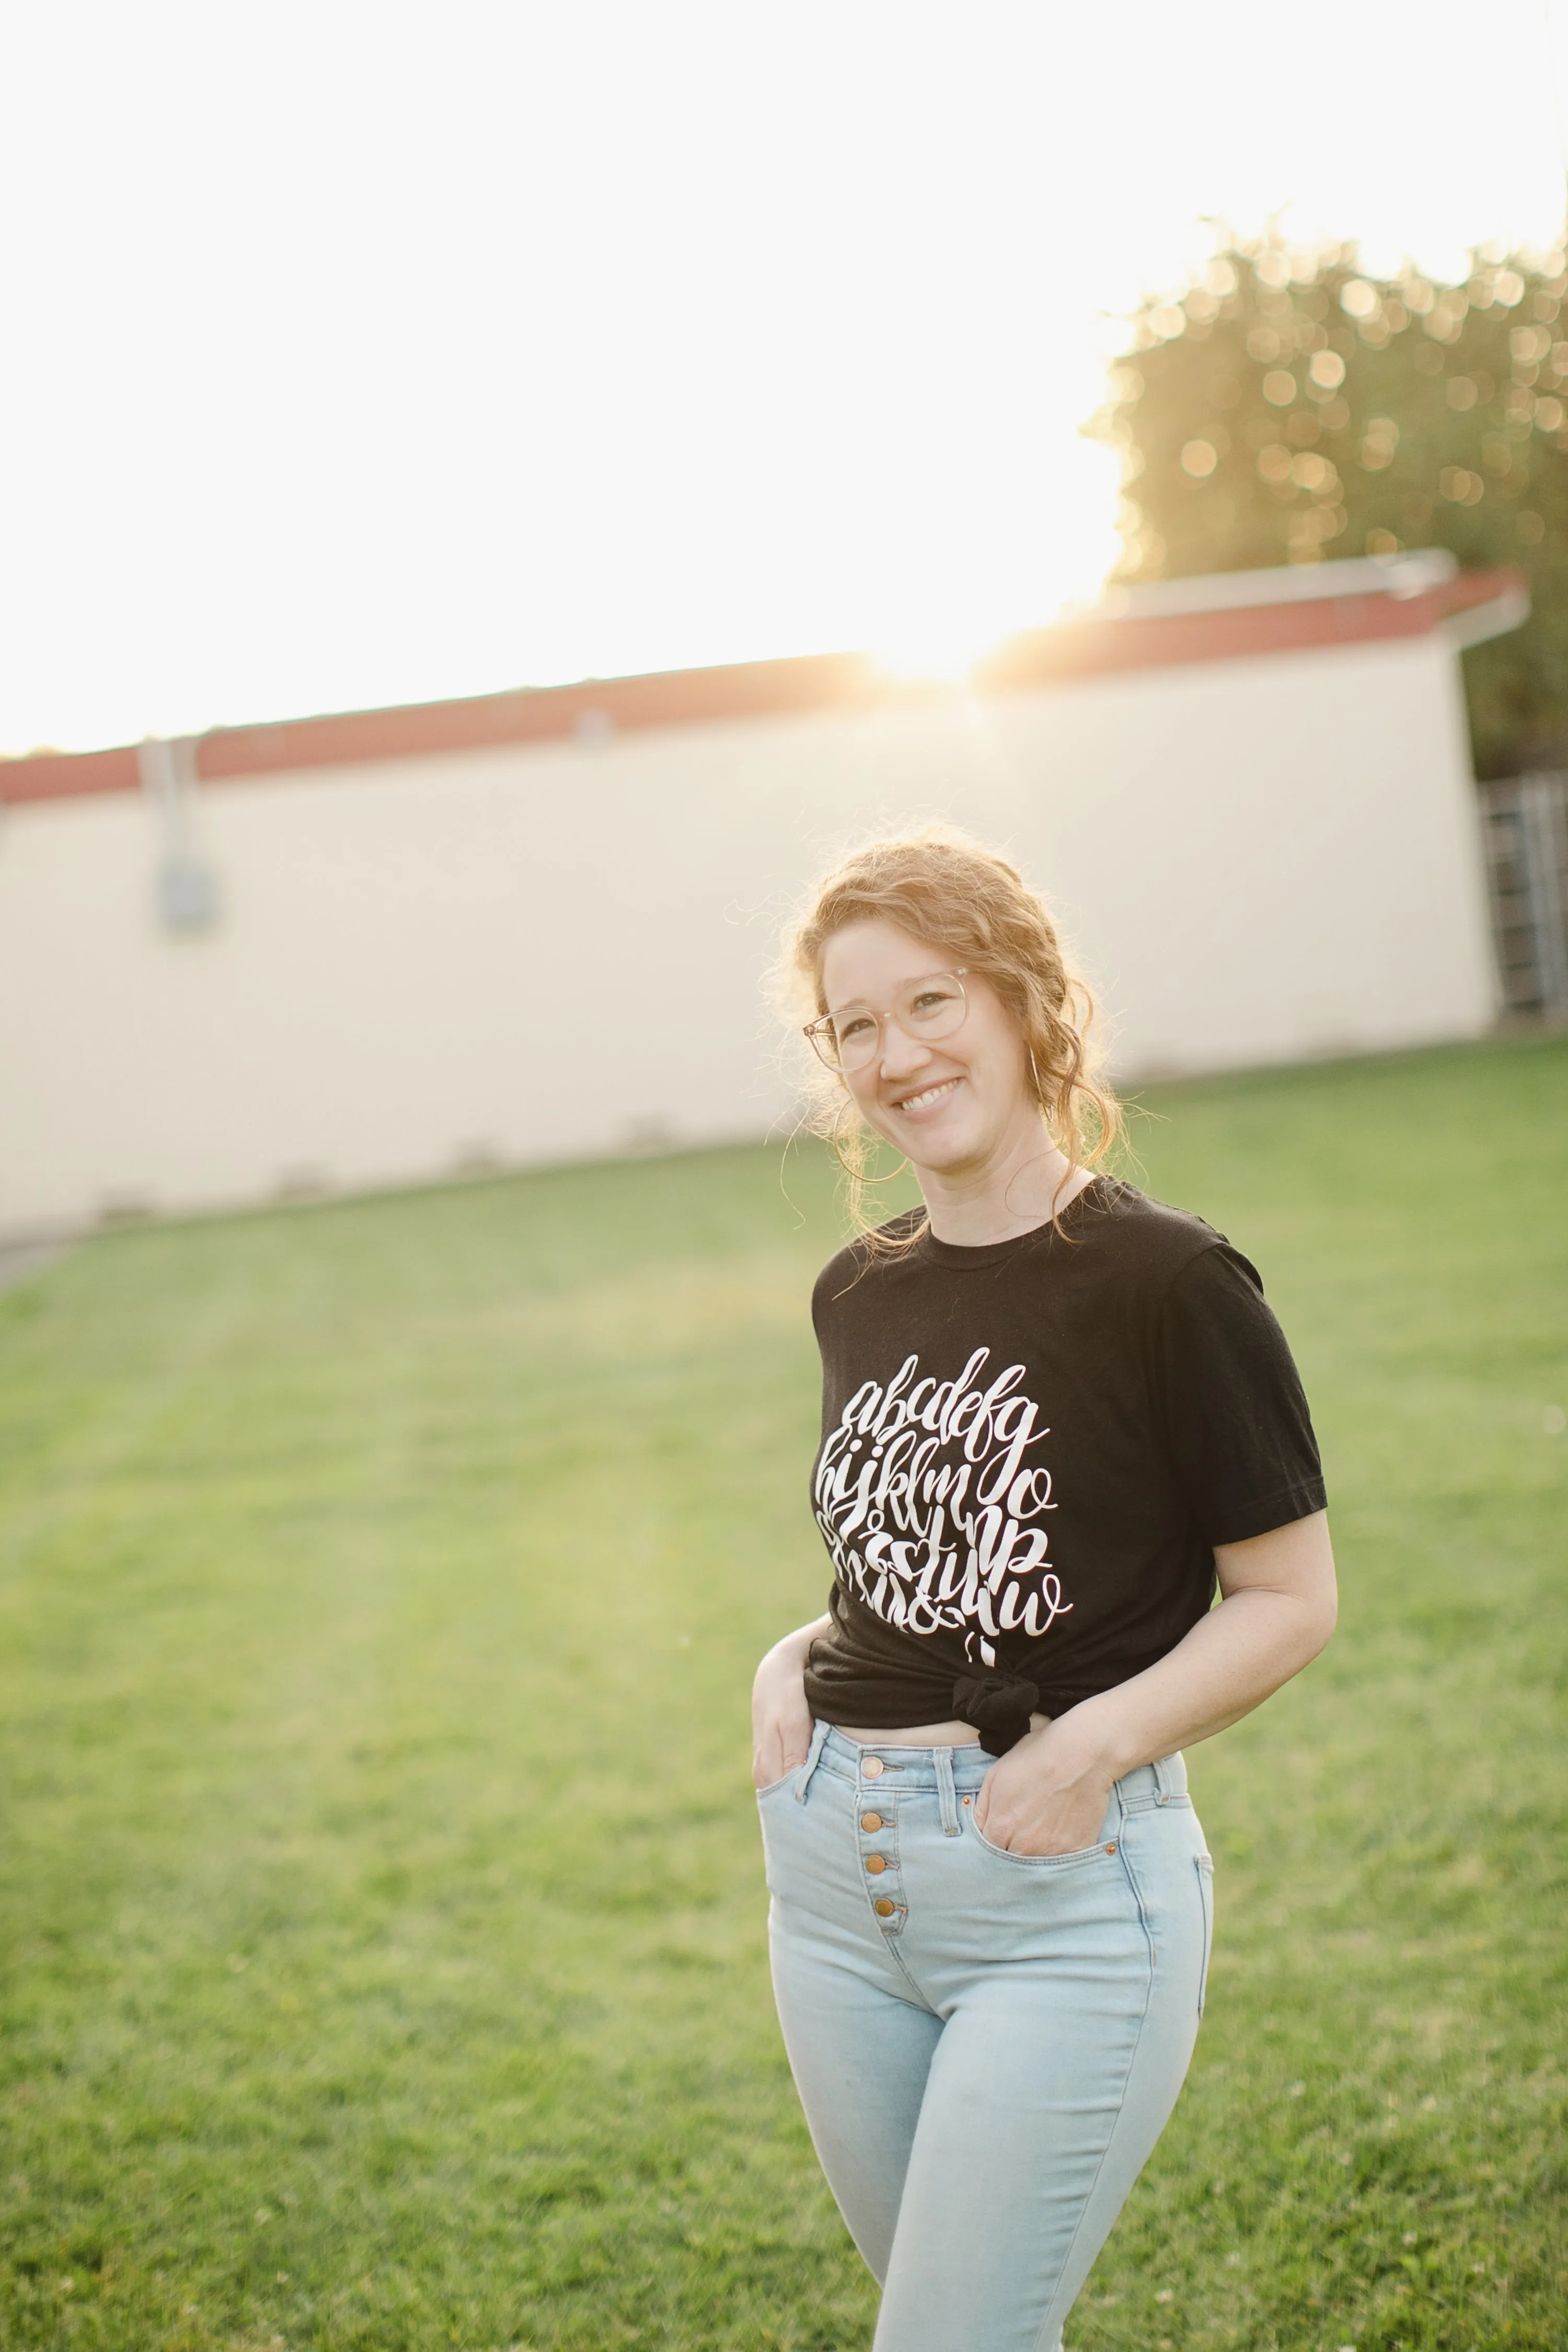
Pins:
x: 1240, y: 1434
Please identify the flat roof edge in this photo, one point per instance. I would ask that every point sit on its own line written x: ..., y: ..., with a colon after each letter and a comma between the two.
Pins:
x: 1116, y: 637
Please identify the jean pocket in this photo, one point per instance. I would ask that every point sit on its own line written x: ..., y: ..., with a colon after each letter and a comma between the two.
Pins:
x: 785, y: 1781
x: 1205, y: 1866
x: 1100, y: 1849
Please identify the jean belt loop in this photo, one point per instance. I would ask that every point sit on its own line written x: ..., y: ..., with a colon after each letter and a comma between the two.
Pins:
x: 813, y: 1757
x: 947, y: 1792
x: 1164, y: 1780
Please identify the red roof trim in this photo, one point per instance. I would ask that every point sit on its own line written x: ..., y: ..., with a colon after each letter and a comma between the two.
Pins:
x: 543, y: 714
x: 62, y: 775
x: 1093, y: 646
x: 1081, y: 648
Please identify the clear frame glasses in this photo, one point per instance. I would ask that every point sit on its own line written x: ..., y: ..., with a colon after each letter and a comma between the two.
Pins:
x: 926, y: 1009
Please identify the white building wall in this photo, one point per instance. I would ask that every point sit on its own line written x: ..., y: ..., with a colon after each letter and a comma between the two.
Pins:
x: 553, y: 951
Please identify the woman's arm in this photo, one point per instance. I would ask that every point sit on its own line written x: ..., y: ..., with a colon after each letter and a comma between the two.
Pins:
x: 781, y: 1719
x: 1047, y: 1795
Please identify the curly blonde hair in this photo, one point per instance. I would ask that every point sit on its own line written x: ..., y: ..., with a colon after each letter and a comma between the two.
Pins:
x: 951, y: 892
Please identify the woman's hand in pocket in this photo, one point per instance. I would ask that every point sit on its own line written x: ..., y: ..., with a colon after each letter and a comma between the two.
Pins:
x: 1045, y: 1796
x: 781, y: 1719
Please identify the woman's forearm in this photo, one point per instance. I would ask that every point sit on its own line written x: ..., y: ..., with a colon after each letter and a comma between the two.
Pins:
x: 1224, y: 1667
x: 1262, y: 1633
x: 781, y: 1719
x: 793, y: 1648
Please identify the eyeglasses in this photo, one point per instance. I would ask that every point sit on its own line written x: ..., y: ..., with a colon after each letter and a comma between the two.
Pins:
x: 926, y: 1009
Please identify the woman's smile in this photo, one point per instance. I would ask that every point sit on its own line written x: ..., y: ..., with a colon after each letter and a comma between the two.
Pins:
x: 933, y: 1092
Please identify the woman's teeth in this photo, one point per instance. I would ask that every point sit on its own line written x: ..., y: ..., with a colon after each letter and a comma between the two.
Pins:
x: 932, y: 1094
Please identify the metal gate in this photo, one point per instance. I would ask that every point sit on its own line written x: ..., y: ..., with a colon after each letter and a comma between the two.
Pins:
x: 1526, y: 824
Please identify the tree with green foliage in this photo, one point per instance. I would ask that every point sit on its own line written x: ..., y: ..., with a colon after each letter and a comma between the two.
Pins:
x: 1285, y: 406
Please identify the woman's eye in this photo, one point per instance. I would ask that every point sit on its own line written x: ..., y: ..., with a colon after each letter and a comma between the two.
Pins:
x: 851, y: 1026
x: 930, y: 1002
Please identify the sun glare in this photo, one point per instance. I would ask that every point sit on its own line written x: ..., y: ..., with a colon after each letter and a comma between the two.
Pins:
x: 911, y: 666
x: 937, y: 652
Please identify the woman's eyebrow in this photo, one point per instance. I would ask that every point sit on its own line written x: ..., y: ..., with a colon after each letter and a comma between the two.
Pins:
x: 864, y: 1004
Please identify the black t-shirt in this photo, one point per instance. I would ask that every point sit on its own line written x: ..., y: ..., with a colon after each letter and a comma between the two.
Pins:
x: 1028, y: 1455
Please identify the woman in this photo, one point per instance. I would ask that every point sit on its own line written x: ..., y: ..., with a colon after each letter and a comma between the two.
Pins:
x: 1055, y: 1413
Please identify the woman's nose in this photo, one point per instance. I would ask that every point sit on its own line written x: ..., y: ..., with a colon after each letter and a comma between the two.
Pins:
x: 901, y: 1055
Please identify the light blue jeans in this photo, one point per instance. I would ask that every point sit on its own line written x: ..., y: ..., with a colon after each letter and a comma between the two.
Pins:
x: 986, y: 2045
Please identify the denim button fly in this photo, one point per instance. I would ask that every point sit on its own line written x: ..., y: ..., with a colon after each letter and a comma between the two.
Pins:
x: 878, y: 1836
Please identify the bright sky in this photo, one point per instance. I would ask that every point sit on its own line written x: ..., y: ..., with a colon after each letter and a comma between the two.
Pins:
x: 360, y: 352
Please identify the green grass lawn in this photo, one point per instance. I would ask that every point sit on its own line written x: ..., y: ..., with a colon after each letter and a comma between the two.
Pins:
x: 381, y: 1935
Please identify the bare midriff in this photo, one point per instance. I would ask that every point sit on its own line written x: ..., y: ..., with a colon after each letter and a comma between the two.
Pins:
x: 925, y: 1735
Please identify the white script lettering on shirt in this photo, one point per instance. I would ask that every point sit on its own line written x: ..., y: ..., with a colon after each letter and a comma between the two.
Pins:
x: 928, y: 1506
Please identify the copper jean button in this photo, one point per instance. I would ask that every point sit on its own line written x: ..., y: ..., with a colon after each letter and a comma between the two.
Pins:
x: 876, y: 1863
x: 871, y: 1766
x: 870, y: 1820
x: 883, y: 1908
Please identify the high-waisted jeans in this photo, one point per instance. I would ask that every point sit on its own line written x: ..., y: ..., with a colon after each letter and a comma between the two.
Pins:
x: 986, y: 2045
